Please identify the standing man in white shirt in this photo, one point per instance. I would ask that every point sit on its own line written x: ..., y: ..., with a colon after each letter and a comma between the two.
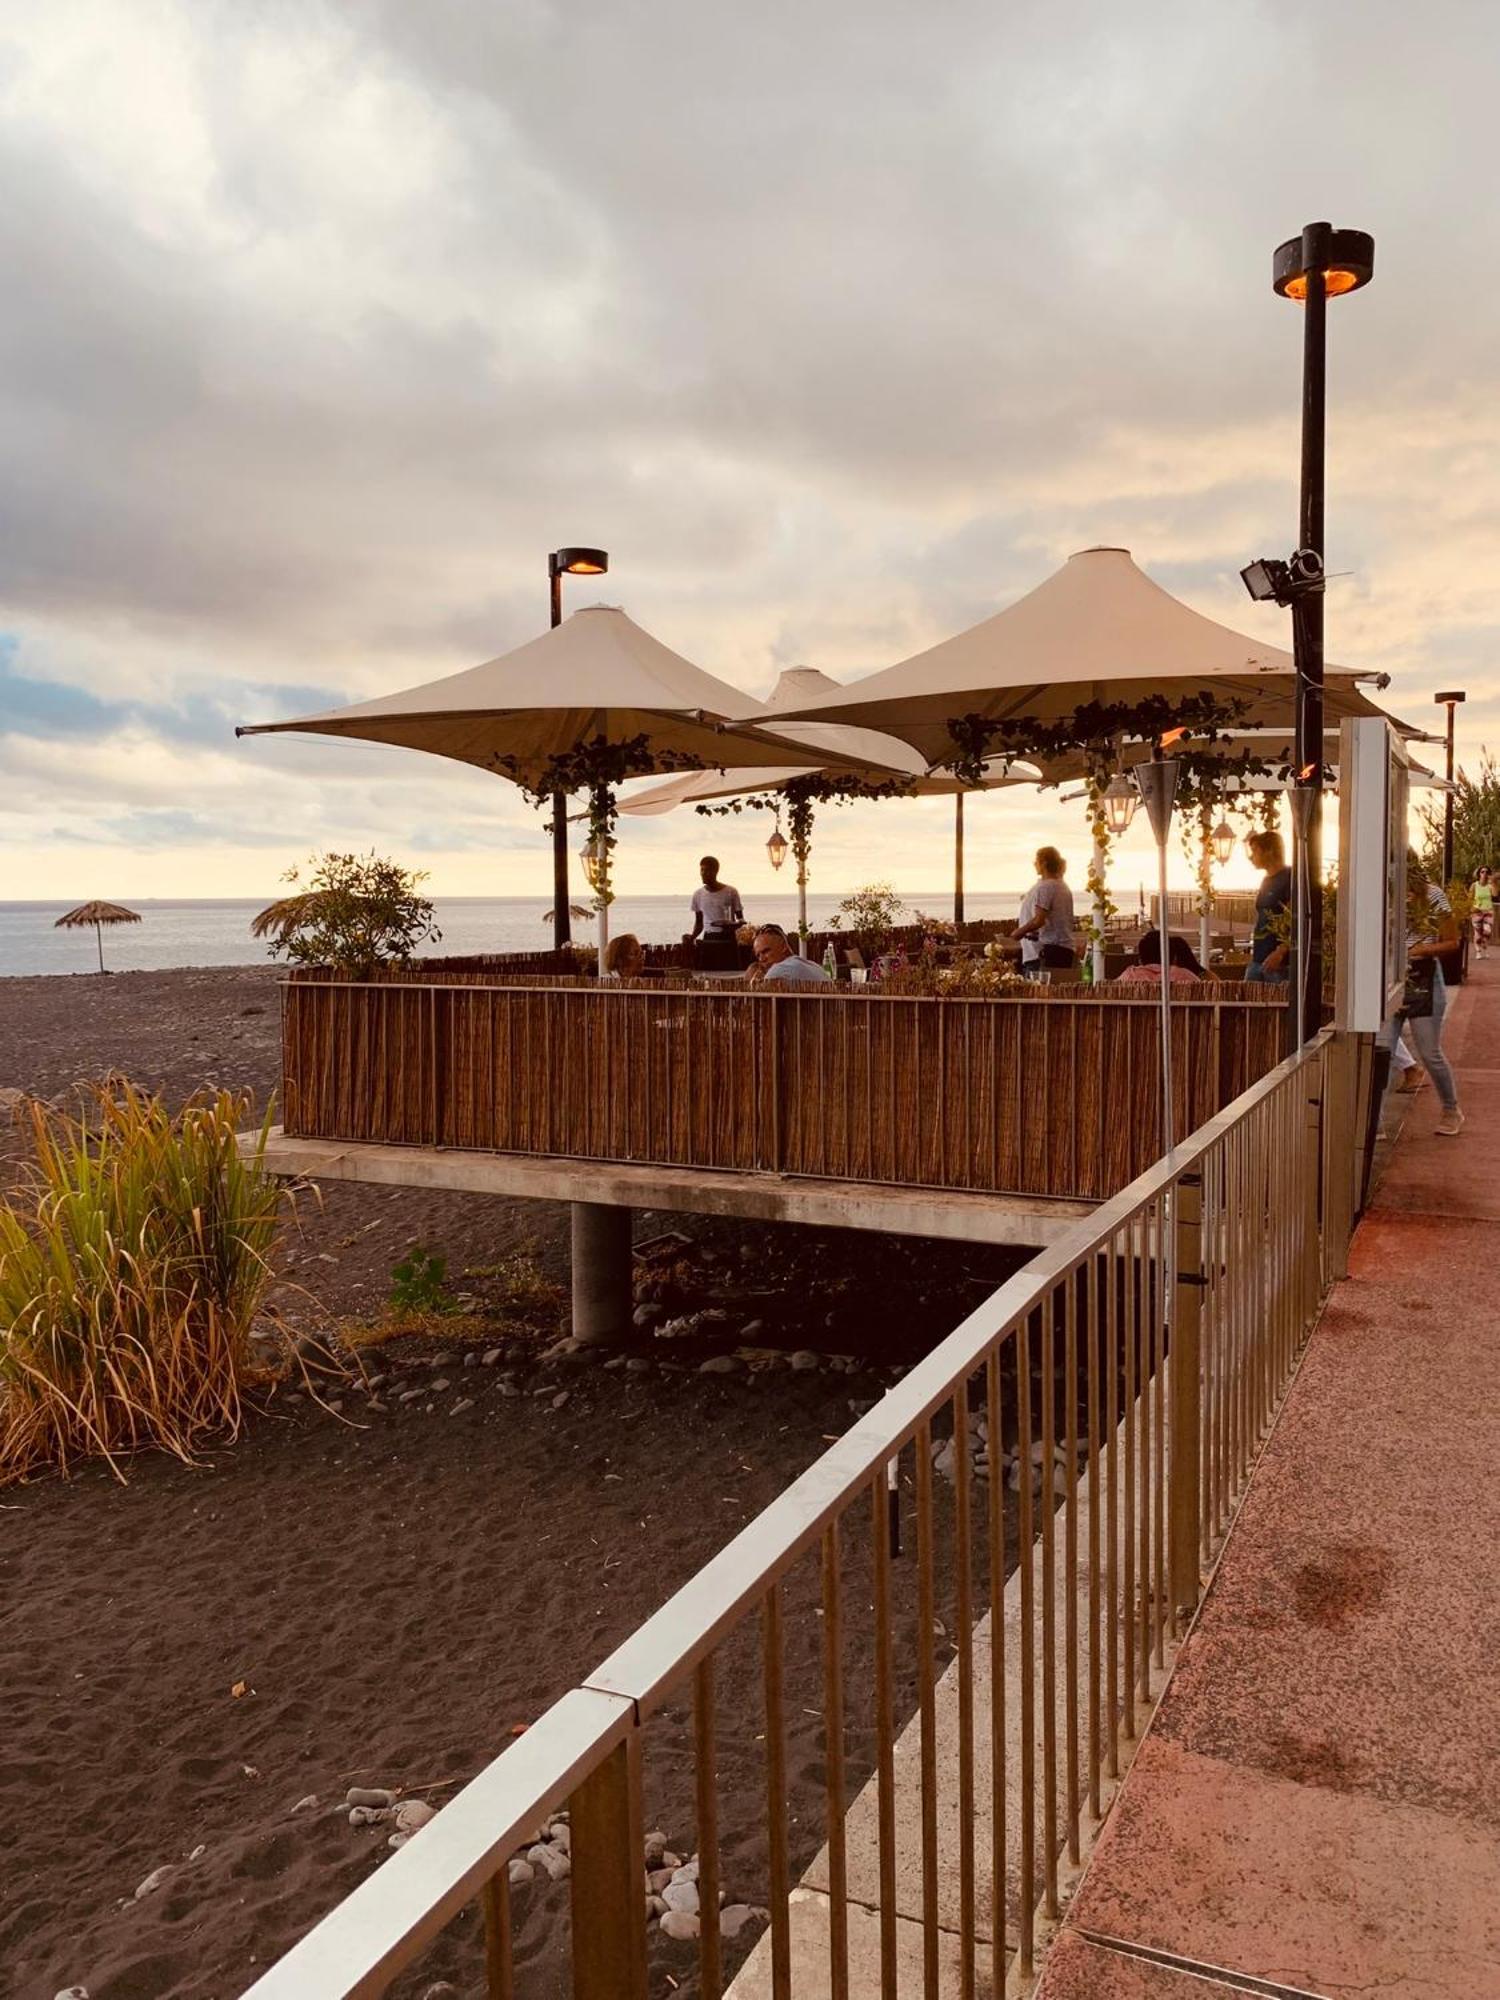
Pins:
x: 1045, y: 927
x: 717, y: 914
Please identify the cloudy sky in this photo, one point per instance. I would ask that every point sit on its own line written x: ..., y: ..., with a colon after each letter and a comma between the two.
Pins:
x: 838, y: 325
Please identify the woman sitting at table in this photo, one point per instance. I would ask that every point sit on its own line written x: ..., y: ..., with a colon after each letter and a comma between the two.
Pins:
x: 623, y: 957
x: 1183, y: 968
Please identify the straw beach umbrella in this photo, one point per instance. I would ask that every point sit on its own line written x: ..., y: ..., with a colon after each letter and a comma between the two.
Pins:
x: 97, y: 914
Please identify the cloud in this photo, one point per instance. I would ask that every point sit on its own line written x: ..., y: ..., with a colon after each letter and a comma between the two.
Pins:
x: 838, y: 327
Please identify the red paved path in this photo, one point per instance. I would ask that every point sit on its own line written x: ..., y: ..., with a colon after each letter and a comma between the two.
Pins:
x: 1316, y: 1810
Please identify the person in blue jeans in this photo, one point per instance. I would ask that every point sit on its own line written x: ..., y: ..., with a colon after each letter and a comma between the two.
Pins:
x: 1424, y: 999
x: 1268, y: 952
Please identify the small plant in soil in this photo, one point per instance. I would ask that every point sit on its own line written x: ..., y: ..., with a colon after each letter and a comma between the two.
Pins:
x: 419, y: 1285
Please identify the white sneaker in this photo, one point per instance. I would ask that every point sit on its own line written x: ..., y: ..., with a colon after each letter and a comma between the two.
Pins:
x: 1450, y: 1124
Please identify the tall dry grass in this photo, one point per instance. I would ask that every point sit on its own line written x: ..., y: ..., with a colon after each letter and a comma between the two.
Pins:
x: 132, y: 1257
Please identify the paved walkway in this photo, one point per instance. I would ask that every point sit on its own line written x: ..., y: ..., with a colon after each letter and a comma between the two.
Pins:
x: 1316, y: 1810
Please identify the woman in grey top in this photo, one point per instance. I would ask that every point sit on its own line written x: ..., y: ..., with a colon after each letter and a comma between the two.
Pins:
x: 1045, y: 928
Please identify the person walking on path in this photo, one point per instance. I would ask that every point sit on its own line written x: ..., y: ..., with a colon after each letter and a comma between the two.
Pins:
x: 1424, y: 998
x: 1482, y: 891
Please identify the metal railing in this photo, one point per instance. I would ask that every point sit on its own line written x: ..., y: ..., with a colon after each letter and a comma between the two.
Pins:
x: 1139, y: 1360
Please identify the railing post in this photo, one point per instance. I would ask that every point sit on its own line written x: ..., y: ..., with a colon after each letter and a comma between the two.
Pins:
x: 1317, y: 1182
x: 1184, y: 1527
x: 607, y: 1849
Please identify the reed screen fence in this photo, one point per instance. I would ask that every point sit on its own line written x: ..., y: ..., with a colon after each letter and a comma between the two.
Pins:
x: 1141, y: 1358
x: 1049, y: 1093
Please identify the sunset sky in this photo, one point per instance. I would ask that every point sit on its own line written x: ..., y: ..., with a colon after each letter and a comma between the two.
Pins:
x: 838, y: 326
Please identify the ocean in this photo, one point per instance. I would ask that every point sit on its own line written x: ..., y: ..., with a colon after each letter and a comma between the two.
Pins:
x: 217, y: 932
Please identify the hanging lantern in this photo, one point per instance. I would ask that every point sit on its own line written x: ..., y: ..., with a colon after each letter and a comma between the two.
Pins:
x: 1223, y: 840
x: 776, y: 846
x: 593, y: 857
x: 1120, y: 800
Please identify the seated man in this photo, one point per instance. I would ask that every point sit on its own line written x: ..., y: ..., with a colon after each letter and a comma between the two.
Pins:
x: 776, y: 964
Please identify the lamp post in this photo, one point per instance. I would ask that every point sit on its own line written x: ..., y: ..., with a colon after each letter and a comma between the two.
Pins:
x: 561, y: 563
x: 1449, y: 701
x: 1320, y: 264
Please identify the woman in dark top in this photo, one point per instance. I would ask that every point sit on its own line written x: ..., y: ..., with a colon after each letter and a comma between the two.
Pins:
x: 1268, y: 952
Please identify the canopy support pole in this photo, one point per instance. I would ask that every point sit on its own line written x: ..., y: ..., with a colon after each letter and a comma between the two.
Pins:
x: 958, y: 857
x: 1101, y: 862
x: 99, y: 941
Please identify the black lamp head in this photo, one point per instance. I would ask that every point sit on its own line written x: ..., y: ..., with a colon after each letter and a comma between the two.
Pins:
x: 1452, y: 696
x: 1347, y: 258
x: 578, y: 562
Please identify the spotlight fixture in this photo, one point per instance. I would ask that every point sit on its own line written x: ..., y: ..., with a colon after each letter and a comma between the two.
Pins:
x: 1272, y: 581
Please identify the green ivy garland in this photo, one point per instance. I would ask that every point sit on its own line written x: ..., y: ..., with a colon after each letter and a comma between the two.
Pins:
x: 596, y: 766
x: 801, y: 796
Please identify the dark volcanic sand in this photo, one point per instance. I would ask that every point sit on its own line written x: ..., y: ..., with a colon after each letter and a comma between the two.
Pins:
x: 401, y: 1594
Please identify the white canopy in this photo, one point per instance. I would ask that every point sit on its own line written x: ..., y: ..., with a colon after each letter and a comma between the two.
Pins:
x: 596, y: 674
x: 1099, y: 630
x: 863, y: 752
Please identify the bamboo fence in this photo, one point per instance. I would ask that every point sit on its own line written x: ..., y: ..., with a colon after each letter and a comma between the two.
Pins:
x: 1050, y: 1092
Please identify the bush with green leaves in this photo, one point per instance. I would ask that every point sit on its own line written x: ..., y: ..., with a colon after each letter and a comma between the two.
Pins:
x: 354, y: 912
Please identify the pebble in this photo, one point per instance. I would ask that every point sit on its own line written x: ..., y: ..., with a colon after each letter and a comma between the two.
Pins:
x: 656, y: 1847
x: 398, y: 1840
x: 369, y: 1795
x: 463, y: 1403
x: 439, y: 1385
x: 719, y: 1364
x: 410, y: 1395
x: 373, y: 1382
x: 199, y: 1851
x: 490, y: 1357
x: 561, y: 1834
x: 413, y: 1814
x: 803, y: 1360
x: 153, y: 1881
x: 671, y: 1860
x: 307, y: 1804
x: 648, y: 1314
x: 688, y: 1872
x: 638, y: 1364
x: 74, y: 1993
x: 679, y: 1924
x: 471, y: 1361
x: 521, y: 1872
x: 440, y: 1990
x: 658, y: 1879
x: 559, y: 1399
x: 734, y: 1917
x: 376, y: 1408
x: 655, y: 1907
x: 552, y: 1859
x: 368, y: 1815
x: 681, y: 1896
x: 752, y: 1330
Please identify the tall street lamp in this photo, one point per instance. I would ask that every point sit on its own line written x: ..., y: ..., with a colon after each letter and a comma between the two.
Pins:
x: 561, y: 563
x: 1449, y: 701
x: 1320, y: 264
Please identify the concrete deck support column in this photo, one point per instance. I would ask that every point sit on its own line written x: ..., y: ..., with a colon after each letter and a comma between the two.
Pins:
x: 602, y: 1290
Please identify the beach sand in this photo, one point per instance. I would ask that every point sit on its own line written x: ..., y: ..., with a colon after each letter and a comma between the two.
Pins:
x: 397, y: 1592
